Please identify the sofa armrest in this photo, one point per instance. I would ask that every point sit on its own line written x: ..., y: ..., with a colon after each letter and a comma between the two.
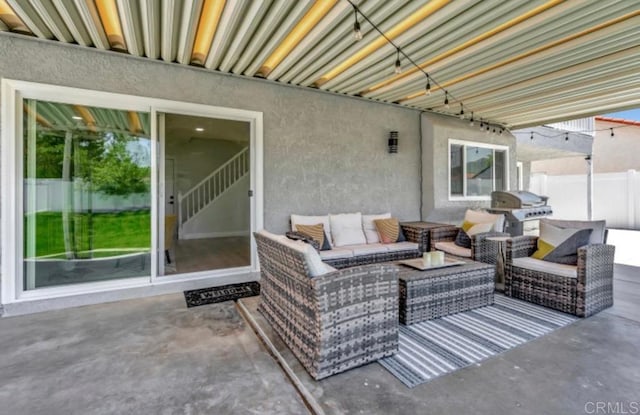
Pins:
x: 349, y: 287
x: 443, y: 234
x: 483, y: 250
x: 595, y: 279
x: 520, y: 246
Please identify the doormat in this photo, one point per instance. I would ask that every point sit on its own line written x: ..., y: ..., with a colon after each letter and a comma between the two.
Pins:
x: 437, y: 347
x: 212, y: 295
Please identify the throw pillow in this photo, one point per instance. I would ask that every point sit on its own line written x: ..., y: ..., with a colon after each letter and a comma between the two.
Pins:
x: 316, y: 232
x: 312, y: 220
x: 370, y: 231
x: 297, y: 236
x: 462, y: 239
x: 346, y: 229
x: 560, y: 245
x: 389, y: 231
x: 475, y: 216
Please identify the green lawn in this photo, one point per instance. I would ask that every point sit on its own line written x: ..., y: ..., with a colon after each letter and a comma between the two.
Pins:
x: 112, y: 231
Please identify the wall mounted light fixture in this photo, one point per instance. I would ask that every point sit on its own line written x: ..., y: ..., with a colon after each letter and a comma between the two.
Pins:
x: 393, y: 142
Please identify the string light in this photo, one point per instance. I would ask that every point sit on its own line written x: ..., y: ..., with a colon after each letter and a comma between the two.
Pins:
x: 566, y: 136
x: 461, y: 111
x: 357, y: 33
x: 471, y: 120
x: 481, y: 124
x: 532, y: 135
x: 398, y: 67
x: 611, y: 132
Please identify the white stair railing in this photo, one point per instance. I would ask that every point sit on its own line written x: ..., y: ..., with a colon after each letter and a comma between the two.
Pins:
x: 212, y: 187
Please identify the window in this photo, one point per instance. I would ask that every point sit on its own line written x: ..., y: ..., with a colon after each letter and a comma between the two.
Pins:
x: 477, y: 169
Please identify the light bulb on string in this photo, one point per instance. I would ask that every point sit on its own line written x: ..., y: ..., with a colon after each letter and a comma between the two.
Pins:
x: 428, y: 86
x: 398, y: 67
x: 471, y: 120
x: 357, y: 33
x: 446, y: 99
x: 612, y: 132
x: 461, y: 111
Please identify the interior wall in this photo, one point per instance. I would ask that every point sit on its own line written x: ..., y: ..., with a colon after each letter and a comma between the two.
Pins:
x: 437, y: 130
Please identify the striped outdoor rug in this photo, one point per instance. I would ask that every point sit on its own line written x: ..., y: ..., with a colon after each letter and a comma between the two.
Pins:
x: 437, y: 347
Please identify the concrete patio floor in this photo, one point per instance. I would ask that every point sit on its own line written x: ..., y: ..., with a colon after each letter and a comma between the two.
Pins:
x: 155, y: 356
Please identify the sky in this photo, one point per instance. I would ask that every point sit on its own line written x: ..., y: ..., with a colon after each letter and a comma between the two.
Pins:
x: 633, y: 115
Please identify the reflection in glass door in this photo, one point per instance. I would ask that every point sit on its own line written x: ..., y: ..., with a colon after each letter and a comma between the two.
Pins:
x: 86, y: 194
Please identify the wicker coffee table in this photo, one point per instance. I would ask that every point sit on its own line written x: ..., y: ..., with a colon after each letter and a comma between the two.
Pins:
x: 425, y: 295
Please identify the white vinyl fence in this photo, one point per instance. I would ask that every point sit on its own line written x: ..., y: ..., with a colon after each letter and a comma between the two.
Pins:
x: 616, y: 197
x: 49, y: 196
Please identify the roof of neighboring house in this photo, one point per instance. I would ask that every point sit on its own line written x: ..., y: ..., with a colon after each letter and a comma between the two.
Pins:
x: 618, y: 120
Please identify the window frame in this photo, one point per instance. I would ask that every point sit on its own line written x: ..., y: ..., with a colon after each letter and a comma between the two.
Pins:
x: 465, y: 144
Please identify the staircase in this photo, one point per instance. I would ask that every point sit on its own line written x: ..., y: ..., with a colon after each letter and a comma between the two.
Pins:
x: 212, y: 187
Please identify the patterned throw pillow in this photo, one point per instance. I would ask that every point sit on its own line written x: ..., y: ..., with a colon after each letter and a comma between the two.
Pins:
x: 389, y: 231
x: 560, y: 245
x: 316, y: 232
x: 469, y: 229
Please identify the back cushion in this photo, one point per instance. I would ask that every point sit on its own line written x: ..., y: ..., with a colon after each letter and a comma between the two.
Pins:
x: 369, y: 227
x: 476, y: 216
x: 346, y: 229
x: 598, y: 227
x: 311, y: 220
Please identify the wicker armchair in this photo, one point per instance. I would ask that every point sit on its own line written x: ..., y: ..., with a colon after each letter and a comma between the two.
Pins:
x: 590, y: 292
x: 332, y: 322
x: 481, y: 249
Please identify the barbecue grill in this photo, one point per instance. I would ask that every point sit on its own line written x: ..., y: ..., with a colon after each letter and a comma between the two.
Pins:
x: 519, y: 206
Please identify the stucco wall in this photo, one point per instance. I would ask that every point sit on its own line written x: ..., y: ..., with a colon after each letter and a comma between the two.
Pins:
x: 436, y: 132
x: 322, y: 152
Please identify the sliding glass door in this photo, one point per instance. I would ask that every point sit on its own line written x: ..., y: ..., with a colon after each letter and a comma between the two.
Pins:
x: 86, y: 194
x: 106, y: 191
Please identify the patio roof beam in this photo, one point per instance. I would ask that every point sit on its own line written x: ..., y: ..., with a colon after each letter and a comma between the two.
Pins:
x: 73, y: 22
x: 207, y: 26
x: 310, y: 20
x: 299, y: 10
x: 28, y: 16
x: 233, y: 12
x: 252, y: 17
x: 129, y: 12
x: 191, y: 16
x: 91, y: 19
x: 150, y: 22
x: 46, y: 10
x: 108, y: 12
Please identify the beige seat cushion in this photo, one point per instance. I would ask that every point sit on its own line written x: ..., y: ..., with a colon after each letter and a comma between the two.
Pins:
x: 336, y: 253
x: 570, y: 271
x: 367, y: 249
x: 453, y: 249
x: 402, y: 246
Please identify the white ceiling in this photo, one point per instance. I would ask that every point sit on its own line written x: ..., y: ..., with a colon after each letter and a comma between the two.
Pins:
x: 517, y: 63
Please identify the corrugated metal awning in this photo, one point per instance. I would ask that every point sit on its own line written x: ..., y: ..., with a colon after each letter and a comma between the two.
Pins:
x: 518, y: 63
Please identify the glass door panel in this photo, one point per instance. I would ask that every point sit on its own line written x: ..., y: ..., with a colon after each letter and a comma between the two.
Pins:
x: 86, y: 194
x: 205, y: 207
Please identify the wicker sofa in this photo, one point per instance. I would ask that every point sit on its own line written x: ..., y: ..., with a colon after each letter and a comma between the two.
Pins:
x: 369, y: 251
x: 331, y: 322
x: 582, y: 290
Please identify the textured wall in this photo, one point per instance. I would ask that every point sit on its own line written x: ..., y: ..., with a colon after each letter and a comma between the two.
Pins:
x: 436, y: 132
x: 322, y: 152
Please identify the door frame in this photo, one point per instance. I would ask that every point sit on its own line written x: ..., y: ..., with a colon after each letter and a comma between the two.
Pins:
x: 11, y: 171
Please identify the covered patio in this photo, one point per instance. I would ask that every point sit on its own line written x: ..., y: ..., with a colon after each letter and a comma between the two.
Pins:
x: 320, y: 107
